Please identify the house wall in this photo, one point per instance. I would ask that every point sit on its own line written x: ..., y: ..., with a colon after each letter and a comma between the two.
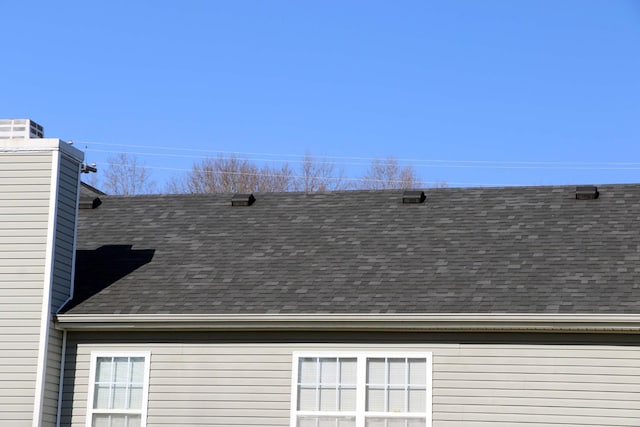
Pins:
x: 25, y: 180
x: 217, y: 379
x: 38, y: 188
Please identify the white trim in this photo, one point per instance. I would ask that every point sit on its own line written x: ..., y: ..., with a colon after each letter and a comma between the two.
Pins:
x: 45, y: 315
x: 145, y: 388
x: 419, y: 322
x: 360, y: 414
x: 40, y: 145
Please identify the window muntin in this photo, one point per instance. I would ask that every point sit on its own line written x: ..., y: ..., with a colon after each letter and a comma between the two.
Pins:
x: 118, y: 390
x: 361, y: 390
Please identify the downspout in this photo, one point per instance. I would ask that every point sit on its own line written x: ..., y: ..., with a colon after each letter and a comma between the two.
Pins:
x: 61, y: 378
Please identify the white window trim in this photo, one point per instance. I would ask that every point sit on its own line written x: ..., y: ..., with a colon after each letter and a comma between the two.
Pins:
x: 145, y: 388
x: 361, y: 368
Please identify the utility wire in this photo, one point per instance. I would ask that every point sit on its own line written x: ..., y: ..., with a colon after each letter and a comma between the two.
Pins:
x: 419, y: 164
x: 409, y: 160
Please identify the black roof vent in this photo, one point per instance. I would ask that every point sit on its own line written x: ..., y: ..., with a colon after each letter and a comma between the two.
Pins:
x: 242, y: 199
x: 89, y: 202
x: 587, y: 192
x: 413, y: 196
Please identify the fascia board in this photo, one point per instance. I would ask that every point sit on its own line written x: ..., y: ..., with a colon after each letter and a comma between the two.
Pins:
x: 481, y: 322
x: 40, y: 144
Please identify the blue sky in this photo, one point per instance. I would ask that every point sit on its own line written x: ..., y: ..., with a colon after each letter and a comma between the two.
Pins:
x: 508, y: 92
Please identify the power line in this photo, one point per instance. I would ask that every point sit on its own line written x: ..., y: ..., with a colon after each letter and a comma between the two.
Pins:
x: 408, y: 160
x: 424, y: 164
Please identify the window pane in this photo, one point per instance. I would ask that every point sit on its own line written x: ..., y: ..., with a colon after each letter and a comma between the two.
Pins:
x: 101, y: 420
x: 417, y: 400
x: 346, y: 422
x: 307, y: 371
x: 101, y: 397
x: 137, y: 370
x: 348, y: 371
x: 375, y: 371
x: 417, y: 371
x: 328, y: 371
x: 326, y: 421
x: 135, y: 399
x: 395, y: 422
x: 328, y: 399
x: 348, y: 399
x: 103, y: 369
x: 118, y: 421
x: 119, y: 398
x: 375, y: 400
x: 306, y: 422
x: 133, y: 421
x: 397, y: 371
x: 307, y: 399
x: 122, y: 369
x: 396, y: 400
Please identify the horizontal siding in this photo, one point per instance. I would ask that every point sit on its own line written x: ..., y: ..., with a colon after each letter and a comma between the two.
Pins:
x: 244, y: 384
x: 24, y: 205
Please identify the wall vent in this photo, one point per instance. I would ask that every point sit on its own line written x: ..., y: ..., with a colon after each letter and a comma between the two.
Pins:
x: 587, y: 192
x: 20, y: 129
x: 242, y: 199
x: 413, y: 196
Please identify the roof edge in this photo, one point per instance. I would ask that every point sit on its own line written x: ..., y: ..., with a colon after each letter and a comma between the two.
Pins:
x: 480, y: 322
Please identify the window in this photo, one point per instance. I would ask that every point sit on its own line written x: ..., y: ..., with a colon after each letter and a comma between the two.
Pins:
x: 361, y: 390
x: 118, y: 390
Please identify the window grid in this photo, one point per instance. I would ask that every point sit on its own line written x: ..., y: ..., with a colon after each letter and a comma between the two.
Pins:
x: 114, y: 373
x: 362, y: 416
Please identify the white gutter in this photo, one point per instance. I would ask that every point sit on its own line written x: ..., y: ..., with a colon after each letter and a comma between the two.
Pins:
x: 481, y: 322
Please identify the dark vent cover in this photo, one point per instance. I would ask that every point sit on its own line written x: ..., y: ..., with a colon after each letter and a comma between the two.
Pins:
x: 242, y: 199
x: 413, y: 196
x: 89, y: 202
x: 587, y: 192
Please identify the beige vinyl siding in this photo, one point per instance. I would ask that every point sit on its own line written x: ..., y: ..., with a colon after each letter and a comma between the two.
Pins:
x: 203, y: 382
x: 24, y: 204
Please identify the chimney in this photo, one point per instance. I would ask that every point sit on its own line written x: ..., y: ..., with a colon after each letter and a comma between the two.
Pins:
x: 39, y: 185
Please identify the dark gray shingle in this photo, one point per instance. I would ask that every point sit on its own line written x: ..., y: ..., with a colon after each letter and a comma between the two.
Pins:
x: 480, y: 250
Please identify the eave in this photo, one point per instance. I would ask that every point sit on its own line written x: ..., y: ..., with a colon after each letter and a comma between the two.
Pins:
x: 472, y: 322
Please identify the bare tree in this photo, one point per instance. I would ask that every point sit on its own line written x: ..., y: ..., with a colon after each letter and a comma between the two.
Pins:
x: 388, y: 174
x: 232, y: 175
x: 126, y: 175
x: 274, y: 179
x: 319, y: 175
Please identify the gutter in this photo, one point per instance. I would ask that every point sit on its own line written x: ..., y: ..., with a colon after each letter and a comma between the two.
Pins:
x: 471, y: 322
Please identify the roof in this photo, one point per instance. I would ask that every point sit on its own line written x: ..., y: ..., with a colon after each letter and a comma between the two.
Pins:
x: 464, y: 250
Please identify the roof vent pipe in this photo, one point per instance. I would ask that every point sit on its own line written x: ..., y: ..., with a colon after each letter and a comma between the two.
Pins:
x: 242, y: 199
x: 587, y: 192
x: 413, y: 196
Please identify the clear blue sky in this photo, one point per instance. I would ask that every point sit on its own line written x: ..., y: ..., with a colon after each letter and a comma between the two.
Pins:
x: 488, y: 84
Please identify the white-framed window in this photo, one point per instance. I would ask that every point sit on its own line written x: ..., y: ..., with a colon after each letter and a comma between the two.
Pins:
x: 371, y: 389
x: 118, y: 389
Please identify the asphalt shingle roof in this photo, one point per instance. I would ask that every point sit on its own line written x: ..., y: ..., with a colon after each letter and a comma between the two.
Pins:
x: 478, y: 250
